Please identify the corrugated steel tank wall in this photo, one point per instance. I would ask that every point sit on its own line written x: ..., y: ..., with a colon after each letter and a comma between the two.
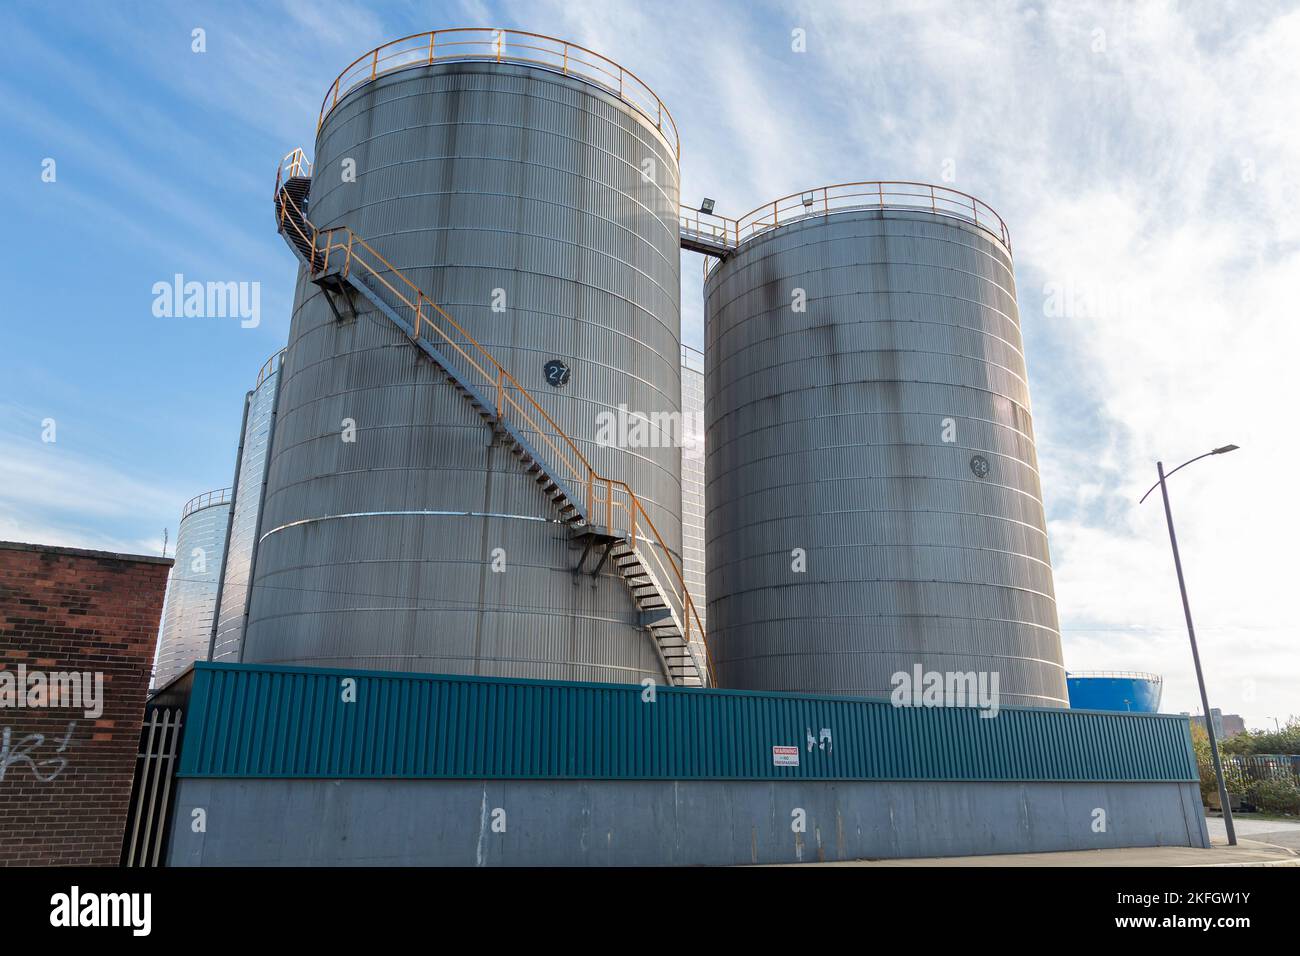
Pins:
x: 693, y: 504
x: 249, y: 488
x: 471, y: 178
x: 192, y: 590
x: 826, y: 432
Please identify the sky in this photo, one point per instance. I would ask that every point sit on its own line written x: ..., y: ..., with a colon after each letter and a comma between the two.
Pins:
x: 1145, y: 157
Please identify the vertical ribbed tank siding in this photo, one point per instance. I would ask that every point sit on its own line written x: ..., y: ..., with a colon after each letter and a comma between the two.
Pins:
x: 826, y: 433
x: 243, y: 523
x: 248, y: 721
x: 693, y: 504
x: 192, y: 591
x: 470, y: 178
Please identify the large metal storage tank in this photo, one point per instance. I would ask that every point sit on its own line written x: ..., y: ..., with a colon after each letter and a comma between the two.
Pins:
x: 882, y: 437
x: 192, y: 588
x: 246, y: 512
x: 489, y: 184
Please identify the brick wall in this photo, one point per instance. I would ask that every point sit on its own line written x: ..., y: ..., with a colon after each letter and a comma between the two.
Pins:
x: 65, y: 778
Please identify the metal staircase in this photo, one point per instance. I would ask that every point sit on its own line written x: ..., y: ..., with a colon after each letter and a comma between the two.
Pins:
x: 604, y: 517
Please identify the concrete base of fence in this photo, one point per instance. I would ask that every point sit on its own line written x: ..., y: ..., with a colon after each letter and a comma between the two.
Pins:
x: 366, y: 822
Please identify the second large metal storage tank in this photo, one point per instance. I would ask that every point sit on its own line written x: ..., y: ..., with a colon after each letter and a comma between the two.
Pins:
x: 874, y: 499
x: 246, y: 512
x: 539, y: 209
x: 693, y: 502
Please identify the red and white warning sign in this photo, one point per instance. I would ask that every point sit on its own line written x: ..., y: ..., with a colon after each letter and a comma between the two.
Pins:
x: 785, y: 756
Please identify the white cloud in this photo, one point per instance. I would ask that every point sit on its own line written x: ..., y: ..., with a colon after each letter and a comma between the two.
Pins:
x: 1119, y: 143
x: 1121, y: 174
x: 53, y: 493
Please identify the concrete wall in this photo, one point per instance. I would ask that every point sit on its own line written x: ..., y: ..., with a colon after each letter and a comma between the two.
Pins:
x: 307, y: 822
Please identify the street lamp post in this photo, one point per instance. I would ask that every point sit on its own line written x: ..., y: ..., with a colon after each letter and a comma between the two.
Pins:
x: 1191, y: 635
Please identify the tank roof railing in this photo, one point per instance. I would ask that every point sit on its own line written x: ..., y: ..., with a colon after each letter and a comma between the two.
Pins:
x: 218, y: 496
x: 1125, y: 675
x: 504, y: 46
x: 843, y: 197
x: 692, y: 358
x: 274, y: 363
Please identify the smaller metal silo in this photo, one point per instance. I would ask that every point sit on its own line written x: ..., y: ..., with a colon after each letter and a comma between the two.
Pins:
x: 192, y: 588
x: 1135, y: 692
x: 874, y: 498
x: 250, y: 485
x: 693, y: 504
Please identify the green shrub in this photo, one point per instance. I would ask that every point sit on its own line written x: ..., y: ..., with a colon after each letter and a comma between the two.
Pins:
x: 1204, y: 763
x: 1273, y: 796
x: 1279, y: 741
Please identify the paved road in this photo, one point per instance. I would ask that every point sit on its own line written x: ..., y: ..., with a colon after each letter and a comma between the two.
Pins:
x: 1278, y: 832
x: 1247, y: 853
x: 1261, y: 843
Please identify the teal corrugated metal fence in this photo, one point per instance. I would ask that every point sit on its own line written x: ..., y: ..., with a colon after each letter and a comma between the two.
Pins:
x: 266, y: 721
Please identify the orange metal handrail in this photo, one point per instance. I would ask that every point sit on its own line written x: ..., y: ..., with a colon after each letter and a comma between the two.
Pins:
x: 511, y: 46
x: 720, y: 229
x: 603, y: 496
x: 273, y: 362
x: 823, y: 200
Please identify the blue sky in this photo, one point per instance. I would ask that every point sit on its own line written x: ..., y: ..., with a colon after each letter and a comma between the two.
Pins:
x: 1145, y: 157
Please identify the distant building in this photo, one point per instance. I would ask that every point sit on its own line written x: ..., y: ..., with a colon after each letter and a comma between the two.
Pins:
x: 1225, y: 725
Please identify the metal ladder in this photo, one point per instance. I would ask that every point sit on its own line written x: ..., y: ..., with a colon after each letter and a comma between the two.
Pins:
x: 340, y: 262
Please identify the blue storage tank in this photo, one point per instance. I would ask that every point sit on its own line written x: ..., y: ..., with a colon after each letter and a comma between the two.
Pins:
x: 1126, y: 691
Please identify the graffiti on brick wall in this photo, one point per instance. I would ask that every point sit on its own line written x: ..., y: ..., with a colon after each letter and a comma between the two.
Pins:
x: 29, y: 750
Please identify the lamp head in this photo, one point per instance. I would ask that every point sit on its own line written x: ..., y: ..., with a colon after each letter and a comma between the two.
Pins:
x: 1224, y: 450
